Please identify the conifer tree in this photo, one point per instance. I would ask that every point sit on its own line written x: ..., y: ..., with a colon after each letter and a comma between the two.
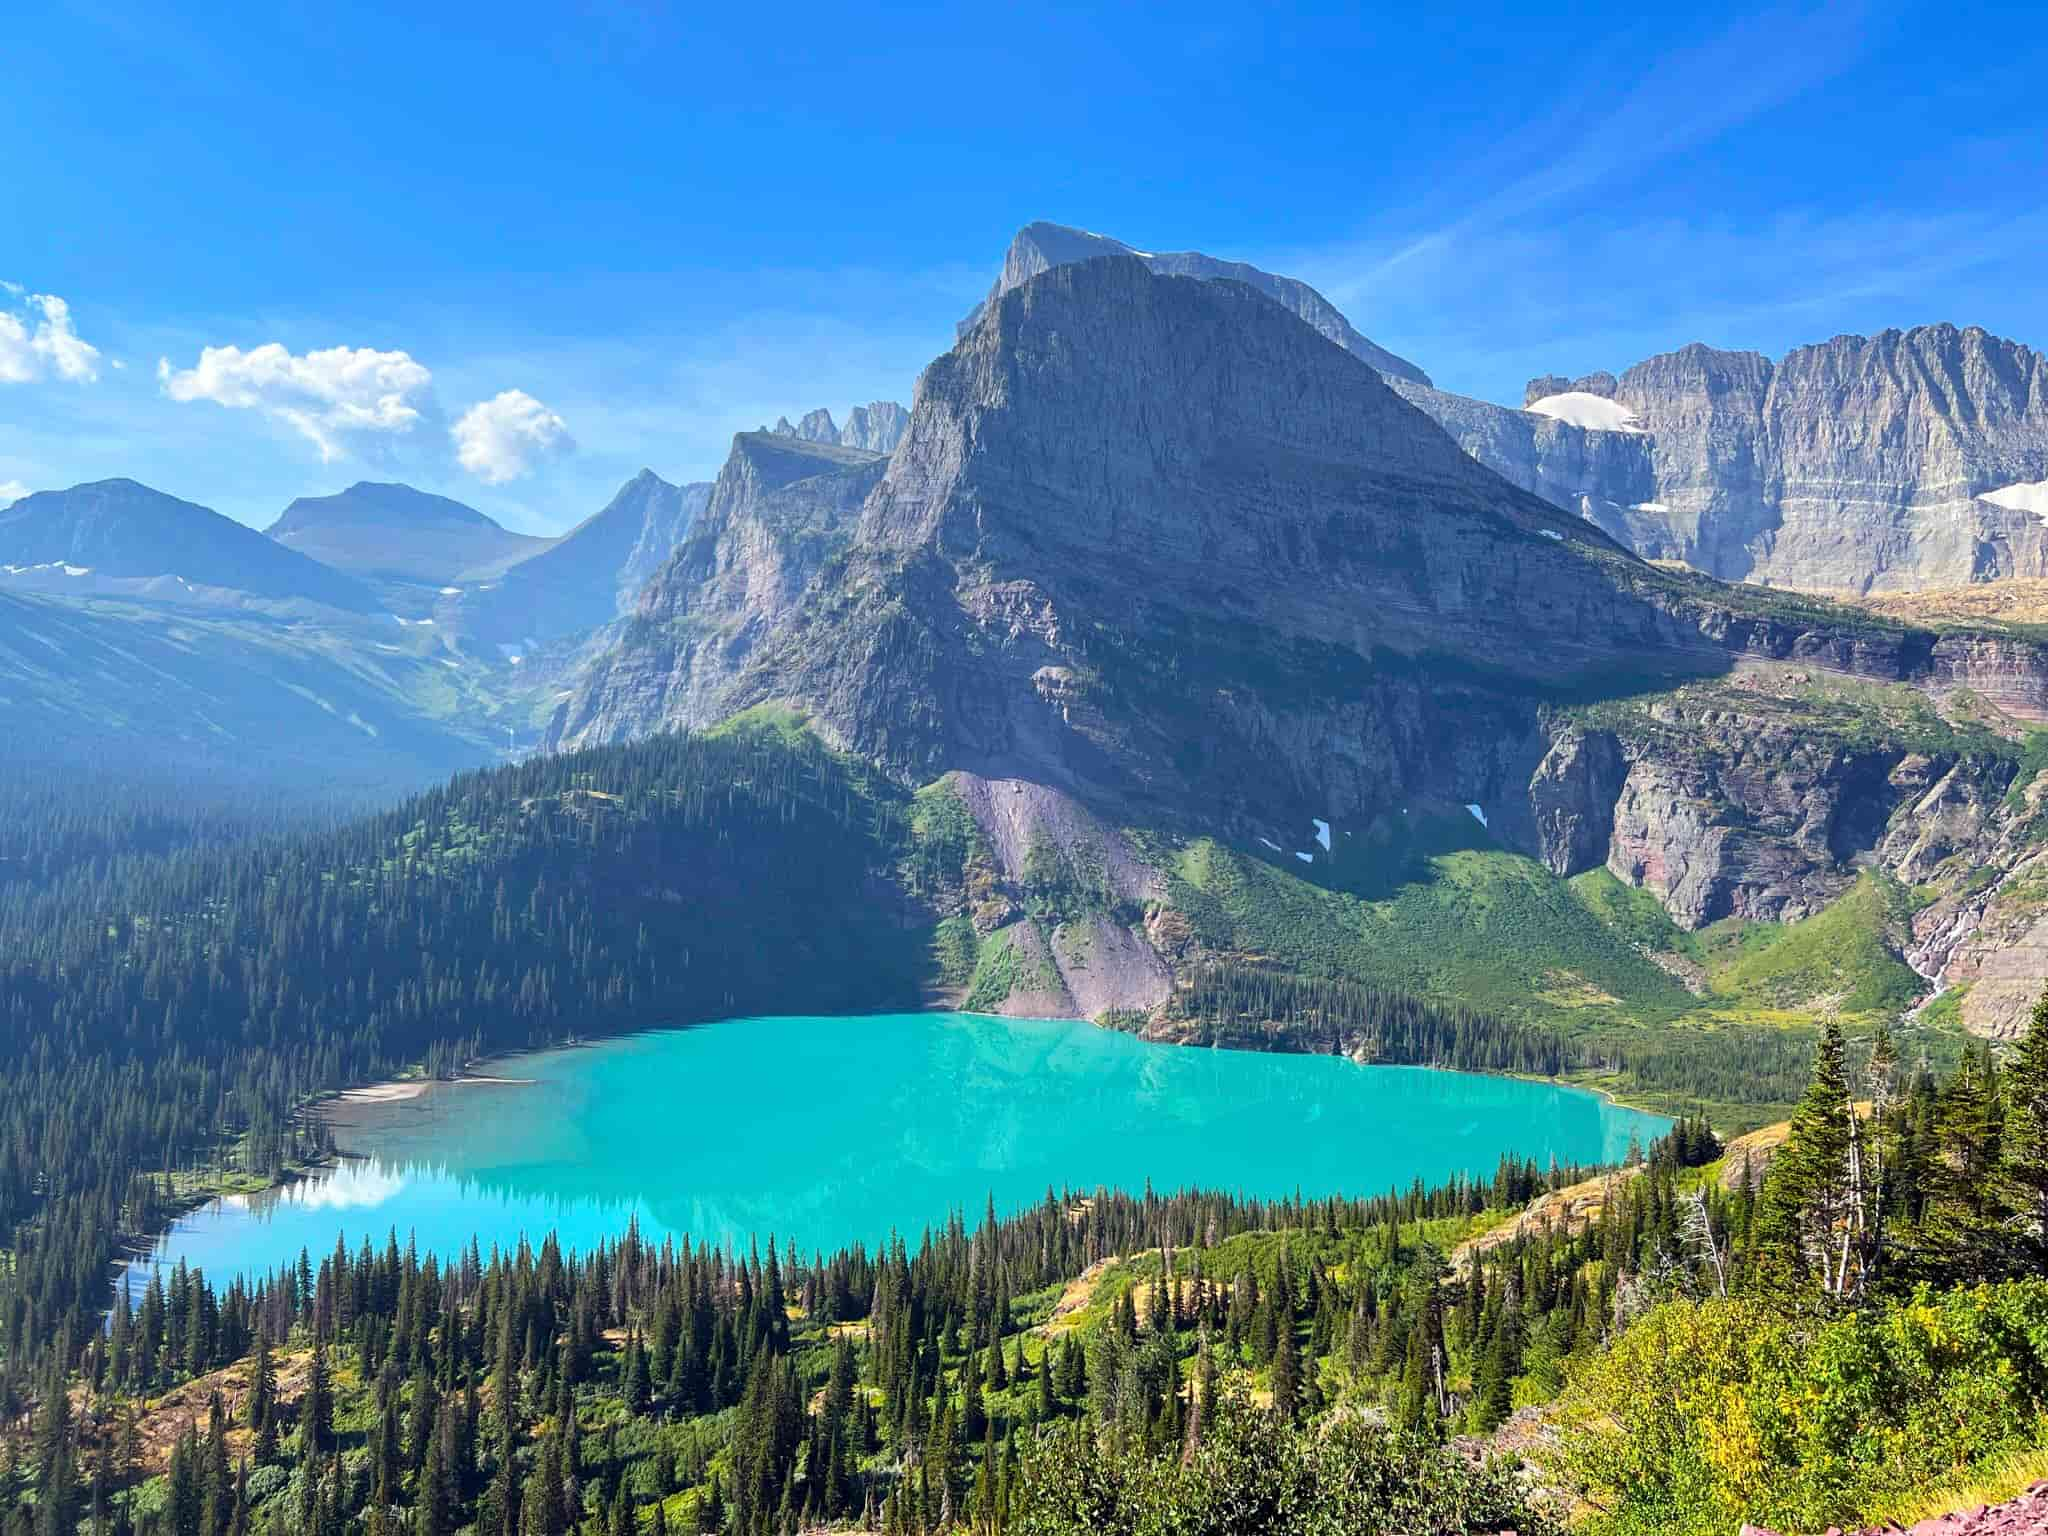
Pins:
x: 1807, y: 1196
x: 2023, y: 1145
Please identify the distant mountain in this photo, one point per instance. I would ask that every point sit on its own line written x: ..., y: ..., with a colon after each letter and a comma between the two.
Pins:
x: 115, y: 537
x: 874, y: 428
x: 397, y: 533
x: 1040, y: 247
x: 593, y: 573
x: 1889, y: 463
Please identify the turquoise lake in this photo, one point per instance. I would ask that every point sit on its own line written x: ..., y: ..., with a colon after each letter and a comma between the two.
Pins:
x: 835, y: 1130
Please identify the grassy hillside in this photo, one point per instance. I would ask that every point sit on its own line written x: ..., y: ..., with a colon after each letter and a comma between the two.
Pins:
x: 1432, y: 910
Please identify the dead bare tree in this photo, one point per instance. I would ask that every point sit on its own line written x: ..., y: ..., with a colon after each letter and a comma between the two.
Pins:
x: 1696, y: 1231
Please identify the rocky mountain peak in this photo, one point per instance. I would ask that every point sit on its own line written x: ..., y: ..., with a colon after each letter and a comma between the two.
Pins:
x: 1601, y: 385
x: 1895, y: 462
x: 1038, y: 247
x: 1088, y: 385
x: 876, y: 427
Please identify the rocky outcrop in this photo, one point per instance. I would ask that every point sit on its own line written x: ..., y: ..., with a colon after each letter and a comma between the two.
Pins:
x: 780, y: 508
x: 873, y: 428
x: 1572, y: 798
x: 2026, y: 1515
x: 1040, y: 247
x: 1892, y: 462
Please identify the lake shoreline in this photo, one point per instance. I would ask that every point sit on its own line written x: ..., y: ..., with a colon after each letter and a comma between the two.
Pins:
x: 969, y: 1106
x: 339, y: 1109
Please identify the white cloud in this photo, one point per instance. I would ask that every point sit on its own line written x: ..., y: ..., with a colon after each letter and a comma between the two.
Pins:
x: 45, y: 343
x: 502, y: 438
x: 11, y: 491
x: 328, y: 396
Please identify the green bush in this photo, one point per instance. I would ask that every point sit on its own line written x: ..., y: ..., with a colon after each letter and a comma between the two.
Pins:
x: 1704, y: 1415
x: 1255, y: 1474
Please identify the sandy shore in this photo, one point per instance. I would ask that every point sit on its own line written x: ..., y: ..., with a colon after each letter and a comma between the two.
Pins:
x: 384, y: 1093
x: 413, y: 1087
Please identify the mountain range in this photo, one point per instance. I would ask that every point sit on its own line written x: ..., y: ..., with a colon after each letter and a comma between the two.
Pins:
x: 120, y: 538
x: 1181, y: 589
x: 1895, y: 462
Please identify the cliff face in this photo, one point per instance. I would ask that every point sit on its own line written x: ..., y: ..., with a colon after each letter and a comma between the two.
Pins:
x: 1764, y: 795
x: 873, y: 428
x: 1155, y: 540
x: 778, y: 510
x: 1893, y: 462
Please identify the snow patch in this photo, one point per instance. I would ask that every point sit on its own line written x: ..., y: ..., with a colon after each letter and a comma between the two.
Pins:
x: 1551, y: 533
x: 1306, y: 858
x: 1596, y: 413
x: 1648, y: 506
x: 1322, y: 832
x: 451, y: 591
x: 1478, y: 813
x: 1270, y: 844
x: 2030, y: 496
x: 77, y: 570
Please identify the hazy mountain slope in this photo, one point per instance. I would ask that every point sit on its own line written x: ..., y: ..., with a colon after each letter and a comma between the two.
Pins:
x: 244, y: 697
x: 1895, y: 462
x: 592, y: 574
x: 1038, y: 247
x: 398, y: 533
x: 118, y: 537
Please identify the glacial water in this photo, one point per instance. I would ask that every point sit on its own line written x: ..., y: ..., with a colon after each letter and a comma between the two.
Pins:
x: 832, y: 1130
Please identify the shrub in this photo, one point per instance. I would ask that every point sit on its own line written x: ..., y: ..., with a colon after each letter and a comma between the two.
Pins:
x: 1704, y: 1415
x: 1256, y: 1475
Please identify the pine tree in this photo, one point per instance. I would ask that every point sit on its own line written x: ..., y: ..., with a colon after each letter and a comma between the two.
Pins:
x: 1286, y: 1376
x: 1807, y: 1196
x: 2023, y: 1145
x: 317, y: 1411
x: 261, y: 1408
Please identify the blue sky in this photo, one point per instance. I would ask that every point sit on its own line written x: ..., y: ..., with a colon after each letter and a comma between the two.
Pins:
x: 515, y: 252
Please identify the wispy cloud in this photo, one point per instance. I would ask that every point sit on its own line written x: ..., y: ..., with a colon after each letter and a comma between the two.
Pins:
x: 329, y: 397
x: 1597, y: 138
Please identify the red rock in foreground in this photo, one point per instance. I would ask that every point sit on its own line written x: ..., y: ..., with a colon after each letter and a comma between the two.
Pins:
x: 2026, y: 1515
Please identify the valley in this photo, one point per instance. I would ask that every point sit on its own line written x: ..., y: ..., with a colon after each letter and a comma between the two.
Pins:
x: 1410, y: 917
